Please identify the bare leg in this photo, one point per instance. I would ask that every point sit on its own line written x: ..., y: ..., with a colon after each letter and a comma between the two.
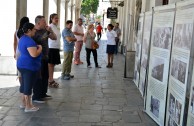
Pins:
x: 51, y: 71
x: 111, y: 58
x: 108, y: 58
x: 28, y: 101
x: 20, y: 79
x: 23, y: 99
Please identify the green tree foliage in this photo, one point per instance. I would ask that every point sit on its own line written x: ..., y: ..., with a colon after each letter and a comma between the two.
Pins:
x: 89, y: 6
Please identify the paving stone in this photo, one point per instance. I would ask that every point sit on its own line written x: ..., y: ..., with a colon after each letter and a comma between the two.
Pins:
x: 68, y: 113
x: 95, y: 97
x: 102, y: 124
x: 111, y: 118
x: 11, y: 123
x: 112, y: 107
x: 2, y: 116
x: 131, y: 118
x: 90, y: 112
x: 69, y: 119
x: 4, y: 109
x: 69, y: 124
x: 91, y: 107
x: 2, y: 101
x: 38, y: 121
x: 89, y: 118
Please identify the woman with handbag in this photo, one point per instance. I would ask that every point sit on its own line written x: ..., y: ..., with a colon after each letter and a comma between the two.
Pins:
x: 91, y: 46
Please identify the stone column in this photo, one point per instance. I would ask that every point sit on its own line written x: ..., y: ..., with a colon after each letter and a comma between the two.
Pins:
x: 66, y: 9
x: 77, y: 13
x: 59, y: 10
x: 69, y: 11
x: 21, y: 10
x: 46, y: 9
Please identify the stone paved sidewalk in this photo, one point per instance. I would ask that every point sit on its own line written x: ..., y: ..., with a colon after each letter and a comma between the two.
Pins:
x: 95, y: 97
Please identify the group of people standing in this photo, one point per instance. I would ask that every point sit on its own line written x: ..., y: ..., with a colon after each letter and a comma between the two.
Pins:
x: 37, y: 51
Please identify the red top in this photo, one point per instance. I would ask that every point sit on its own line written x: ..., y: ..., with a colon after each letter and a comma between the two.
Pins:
x: 99, y: 29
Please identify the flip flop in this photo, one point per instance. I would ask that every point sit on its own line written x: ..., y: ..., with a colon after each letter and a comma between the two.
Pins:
x: 33, y: 109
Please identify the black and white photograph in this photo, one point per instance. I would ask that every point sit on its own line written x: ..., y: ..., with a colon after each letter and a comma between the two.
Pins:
x: 162, y: 37
x: 178, y: 108
x: 192, y: 102
x: 138, y: 65
x: 137, y: 50
x: 135, y: 75
x: 171, y: 122
x: 158, y: 68
x: 145, y: 47
x: 155, y: 106
x: 183, y: 36
x: 144, y: 62
x: 178, y: 70
x: 171, y: 107
x: 142, y: 85
x: 147, y: 27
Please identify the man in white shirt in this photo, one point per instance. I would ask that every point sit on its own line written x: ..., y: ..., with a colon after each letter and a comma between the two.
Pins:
x: 78, y: 31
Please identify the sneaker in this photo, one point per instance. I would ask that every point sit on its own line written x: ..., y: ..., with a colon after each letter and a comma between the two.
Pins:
x: 33, y: 109
x: 71, y: 76
x: 47, y: 96
x: 66, y: 78
x: 38, y: 100
x: 89, y: 66
x: 98, y: 67
x: 61, y: 77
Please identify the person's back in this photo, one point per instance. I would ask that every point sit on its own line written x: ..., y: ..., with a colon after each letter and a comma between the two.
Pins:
x: 99, y: 30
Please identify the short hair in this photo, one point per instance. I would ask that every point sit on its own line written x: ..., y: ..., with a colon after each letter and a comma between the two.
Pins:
x: 117, y: 24
x: 38, y: 18
x: 98, y: 22
x: 79, y: 19
x: 69, y: 22
x: 27, y: 26
x: 111, y: 26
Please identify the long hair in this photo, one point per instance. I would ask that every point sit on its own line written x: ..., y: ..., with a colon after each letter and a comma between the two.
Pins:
x: 51, y: 17
x: 22, y: 22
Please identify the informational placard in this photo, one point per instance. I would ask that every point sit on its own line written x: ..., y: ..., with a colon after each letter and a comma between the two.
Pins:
x: 160, y: 51
x: 190, y: 117
x: 138, y: 50
x: 178, y: 76
x: 145, y: 51
x: 112, y: 13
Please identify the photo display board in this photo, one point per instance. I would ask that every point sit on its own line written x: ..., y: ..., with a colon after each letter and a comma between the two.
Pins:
x: 178, y: 76
x: 160, y: 51
x: 138, y: 50
x: 145, y: 51
x: 190, y: 117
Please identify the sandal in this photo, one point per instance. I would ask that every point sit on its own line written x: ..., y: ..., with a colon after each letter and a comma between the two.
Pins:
x: 53, y: 84
x: 33, y: 109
